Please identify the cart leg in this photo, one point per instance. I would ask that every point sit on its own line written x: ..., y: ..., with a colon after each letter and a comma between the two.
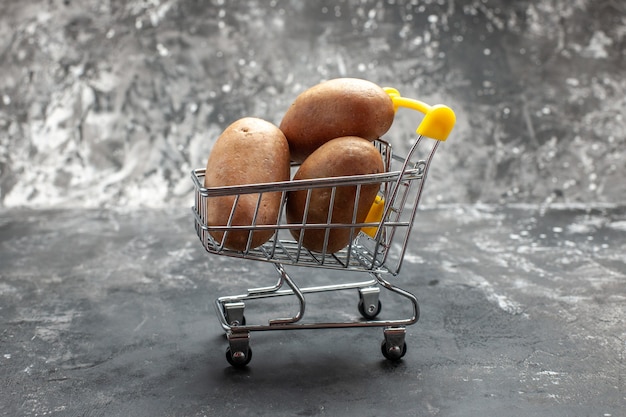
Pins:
x: 238, y: 353
x: 369, y: 302
x: 393, y: 346
x: 233, y: 313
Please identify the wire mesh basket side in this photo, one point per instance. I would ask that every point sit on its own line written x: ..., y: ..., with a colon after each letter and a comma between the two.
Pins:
x: 401, y: 204
x: 400, y: 189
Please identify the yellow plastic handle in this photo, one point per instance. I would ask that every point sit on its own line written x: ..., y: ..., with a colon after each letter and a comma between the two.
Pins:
x: 375, y: 215
x: 438, y: 120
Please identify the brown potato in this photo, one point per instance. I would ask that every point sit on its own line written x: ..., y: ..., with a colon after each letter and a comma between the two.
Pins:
x: 335, y: 108
x: 249, y: 151
x: 339, y: 157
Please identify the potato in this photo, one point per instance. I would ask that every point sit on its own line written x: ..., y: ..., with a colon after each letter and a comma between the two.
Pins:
x: 335, y: 108
x: 249, y: 151
x: 343, y: 156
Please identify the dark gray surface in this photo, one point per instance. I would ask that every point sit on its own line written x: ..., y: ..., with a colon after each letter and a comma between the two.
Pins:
x: 107, y: 313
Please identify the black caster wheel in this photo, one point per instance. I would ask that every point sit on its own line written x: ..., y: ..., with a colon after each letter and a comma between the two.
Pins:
x: 393, y: 353
x: 238, y: 359
x: 371, y: 312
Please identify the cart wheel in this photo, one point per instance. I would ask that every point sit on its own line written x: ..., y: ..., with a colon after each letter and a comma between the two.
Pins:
x: 393, y: 353
x: 371, y: 312
x: 238, y: 359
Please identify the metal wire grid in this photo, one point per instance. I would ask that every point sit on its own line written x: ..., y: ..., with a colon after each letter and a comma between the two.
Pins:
x: 401, y: 188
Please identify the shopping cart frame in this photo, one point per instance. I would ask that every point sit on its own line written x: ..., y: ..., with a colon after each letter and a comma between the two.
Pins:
x: 373, y: 250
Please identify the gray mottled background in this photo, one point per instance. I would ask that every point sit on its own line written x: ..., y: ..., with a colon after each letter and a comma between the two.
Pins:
x: 112, y: 103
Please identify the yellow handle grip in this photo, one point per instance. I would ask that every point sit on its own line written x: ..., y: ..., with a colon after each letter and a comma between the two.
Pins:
x: 438, y: 120
x: 375, y: 215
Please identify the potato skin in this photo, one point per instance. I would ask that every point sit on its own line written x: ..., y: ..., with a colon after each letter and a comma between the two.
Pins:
x: 339, y: 157
x: 249, y: 151
x: 335, y: 108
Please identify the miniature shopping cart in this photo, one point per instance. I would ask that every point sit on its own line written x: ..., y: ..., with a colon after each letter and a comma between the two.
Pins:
x: 378, y: 247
